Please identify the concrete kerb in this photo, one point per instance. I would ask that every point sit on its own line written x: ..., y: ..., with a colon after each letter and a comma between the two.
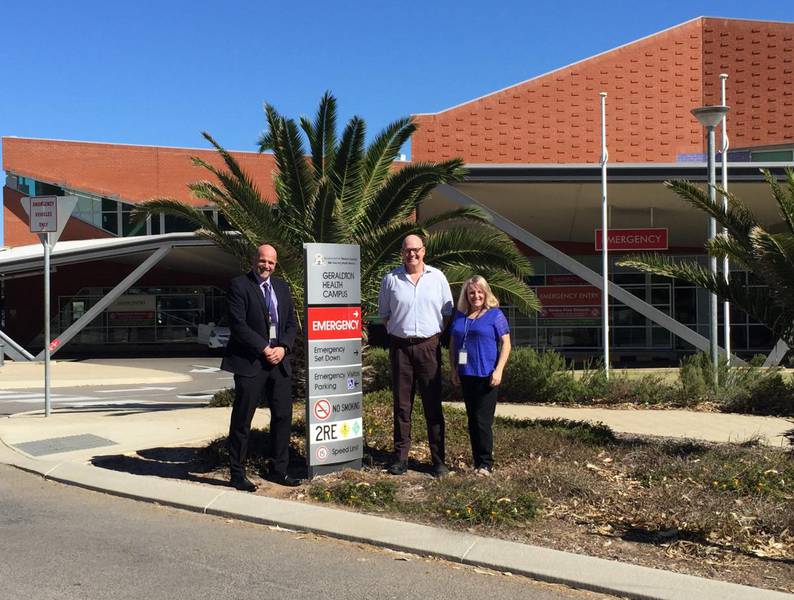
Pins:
x: 543, y: 564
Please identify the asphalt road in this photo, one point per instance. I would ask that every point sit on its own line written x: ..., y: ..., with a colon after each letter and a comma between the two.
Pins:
x: 207, y: 379
x: 65, y: 543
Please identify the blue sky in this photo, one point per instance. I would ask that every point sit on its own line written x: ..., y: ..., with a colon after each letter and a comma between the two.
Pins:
x: 159, y: 72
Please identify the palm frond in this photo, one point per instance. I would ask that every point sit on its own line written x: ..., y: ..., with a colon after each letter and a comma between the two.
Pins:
x: 784, y: 198
x: 294, y: 184
x: 509, y: 289
x: 738, y: 219
x: 346, y: 174
x: 477, y: 246
x: 403, y: 191
x: 322, y: 136
x: 381, y: 154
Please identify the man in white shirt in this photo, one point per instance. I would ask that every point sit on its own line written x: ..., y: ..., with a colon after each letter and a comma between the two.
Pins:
x: 416, y: 303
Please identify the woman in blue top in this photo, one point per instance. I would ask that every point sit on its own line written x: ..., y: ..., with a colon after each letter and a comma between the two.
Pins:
x: 479, y: 347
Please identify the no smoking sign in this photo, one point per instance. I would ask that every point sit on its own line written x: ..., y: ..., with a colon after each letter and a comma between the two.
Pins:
x: 322, y: 409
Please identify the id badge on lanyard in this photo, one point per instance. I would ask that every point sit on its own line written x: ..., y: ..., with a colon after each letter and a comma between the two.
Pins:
x: 463, y: 355
x: 272, y: 332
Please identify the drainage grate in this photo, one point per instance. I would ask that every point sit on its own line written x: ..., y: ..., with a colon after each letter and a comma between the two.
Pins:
x: 64, y: 444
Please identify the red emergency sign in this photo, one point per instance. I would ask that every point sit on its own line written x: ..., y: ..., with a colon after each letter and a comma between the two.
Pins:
x: 334, y: 323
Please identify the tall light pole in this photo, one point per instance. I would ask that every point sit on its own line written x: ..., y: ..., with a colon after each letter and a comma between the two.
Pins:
x: 604, y: 234
x: 709, y: 117
x: 726, y: 269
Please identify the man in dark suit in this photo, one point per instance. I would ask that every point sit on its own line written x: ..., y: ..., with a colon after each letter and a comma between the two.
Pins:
x: 262, y: 323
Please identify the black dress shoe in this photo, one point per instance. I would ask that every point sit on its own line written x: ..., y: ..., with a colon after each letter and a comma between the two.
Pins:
x: 243, y: 484
x: 283, y: 479
x: 440, y: 470
x: 397, y: 468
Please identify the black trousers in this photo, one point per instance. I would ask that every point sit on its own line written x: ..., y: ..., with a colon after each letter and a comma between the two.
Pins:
x: 480, y: 399
x: 276, y: 389
x: 416, y: 367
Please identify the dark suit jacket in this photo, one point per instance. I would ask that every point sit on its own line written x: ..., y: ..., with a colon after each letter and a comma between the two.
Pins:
x: 249, y: 324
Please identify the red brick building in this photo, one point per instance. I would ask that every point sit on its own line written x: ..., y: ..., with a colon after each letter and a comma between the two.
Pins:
x: 652, y: 84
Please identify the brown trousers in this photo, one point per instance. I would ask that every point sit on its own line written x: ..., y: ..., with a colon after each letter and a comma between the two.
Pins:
x: 416, y: 367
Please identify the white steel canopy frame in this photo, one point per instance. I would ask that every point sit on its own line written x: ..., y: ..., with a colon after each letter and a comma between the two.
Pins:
x: 574, y: 266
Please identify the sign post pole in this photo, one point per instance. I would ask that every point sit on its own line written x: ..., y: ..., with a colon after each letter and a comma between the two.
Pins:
x: 334, y: 428
x: 604, y: 234
x: 45, y: 240
x: 48, y: 216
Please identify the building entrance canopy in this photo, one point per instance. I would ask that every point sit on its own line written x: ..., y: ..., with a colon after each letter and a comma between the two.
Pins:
x: 555, y: 212
x: 178, y: 252
x: 562, y: 203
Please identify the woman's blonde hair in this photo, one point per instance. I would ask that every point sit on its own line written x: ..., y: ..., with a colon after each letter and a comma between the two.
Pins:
x: 491, y: 301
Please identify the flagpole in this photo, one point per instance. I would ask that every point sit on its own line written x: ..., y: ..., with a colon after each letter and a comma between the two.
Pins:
x: 726, y: 306
x: 604, y: 236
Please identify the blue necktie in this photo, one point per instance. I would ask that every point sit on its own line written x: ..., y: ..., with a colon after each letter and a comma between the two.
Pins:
x: 272, y: 316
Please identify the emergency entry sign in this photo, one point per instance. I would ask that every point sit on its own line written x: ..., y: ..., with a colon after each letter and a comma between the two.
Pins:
x: 334, y: 436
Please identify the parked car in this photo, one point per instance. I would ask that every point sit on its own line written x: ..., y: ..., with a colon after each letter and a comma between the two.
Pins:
x: 214, y: 335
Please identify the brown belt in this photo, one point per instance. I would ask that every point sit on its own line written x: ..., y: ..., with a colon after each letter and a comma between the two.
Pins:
x: 412, y: 341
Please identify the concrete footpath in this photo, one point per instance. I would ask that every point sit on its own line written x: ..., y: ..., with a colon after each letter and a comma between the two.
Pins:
x: 61, y: 447
x: 65, y: 373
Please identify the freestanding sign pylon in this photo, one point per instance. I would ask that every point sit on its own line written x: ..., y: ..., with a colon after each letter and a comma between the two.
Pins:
x: 334, y: 429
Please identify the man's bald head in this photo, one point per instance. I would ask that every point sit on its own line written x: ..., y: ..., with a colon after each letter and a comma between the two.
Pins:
x: 413, y: 251
x: 265, y: 260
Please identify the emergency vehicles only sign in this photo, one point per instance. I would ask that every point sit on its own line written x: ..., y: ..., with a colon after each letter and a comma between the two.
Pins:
x: 333, y: 352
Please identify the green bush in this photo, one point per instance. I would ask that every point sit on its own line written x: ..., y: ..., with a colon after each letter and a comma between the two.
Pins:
x: 753, y: 389
x: 648, y: 389
x: 532, y: 376
x: 768, y: 395
x: 223, y: 397
x: 376, y: 371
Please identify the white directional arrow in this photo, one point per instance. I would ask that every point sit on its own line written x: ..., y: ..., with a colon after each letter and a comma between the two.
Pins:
x: 141, y: 389
x: 204, y: 369
x: 355, y: 313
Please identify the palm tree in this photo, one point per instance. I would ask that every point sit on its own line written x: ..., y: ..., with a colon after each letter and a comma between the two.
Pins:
x: 344, y: 192
x: 768, y: 256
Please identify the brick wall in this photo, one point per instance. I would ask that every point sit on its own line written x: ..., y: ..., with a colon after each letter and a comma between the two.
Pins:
x: 129, y: 173
x: 652, y: 84
x: 759, y: 60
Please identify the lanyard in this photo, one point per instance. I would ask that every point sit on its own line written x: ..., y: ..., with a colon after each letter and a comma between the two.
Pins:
x: 466, y: 325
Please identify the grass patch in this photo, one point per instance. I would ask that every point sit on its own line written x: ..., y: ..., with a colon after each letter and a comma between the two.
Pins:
x: 484, y: 502
x: 352, y: 490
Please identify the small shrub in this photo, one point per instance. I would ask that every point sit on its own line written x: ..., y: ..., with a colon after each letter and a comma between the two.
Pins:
x: 223, y: 397
x: 361, y: 494
x: 696, y: 376
x: 769, y: 395
x: 648, y: 389
x: 532, y: 376
x: 376, y: 370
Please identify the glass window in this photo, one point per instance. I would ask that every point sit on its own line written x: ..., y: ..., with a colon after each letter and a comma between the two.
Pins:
x: 771, y: 156
x: 223, y: 222
x: 128, y: 225
x: 175, y: 224
x: 760, y: 338
x: 685, y: 305
x: 110, y: 222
